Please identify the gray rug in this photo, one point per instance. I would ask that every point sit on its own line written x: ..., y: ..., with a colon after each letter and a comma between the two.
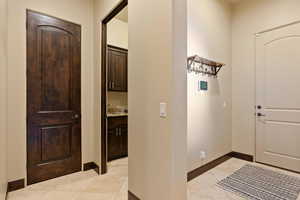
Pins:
x: 256, y: 183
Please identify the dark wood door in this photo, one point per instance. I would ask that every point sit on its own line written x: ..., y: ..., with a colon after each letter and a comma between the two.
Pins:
x: 53, y: 97
x: 124, y: 136
x: 117, y: 137
x: 117, y: 69
x: 114, y: 143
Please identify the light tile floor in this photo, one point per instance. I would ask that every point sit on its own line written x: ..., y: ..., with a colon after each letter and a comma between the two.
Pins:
x: 81, y: 186
x: 204, y: 187
x: 114, y: 185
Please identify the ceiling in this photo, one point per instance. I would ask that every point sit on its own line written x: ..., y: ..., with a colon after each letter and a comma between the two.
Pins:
x: 123, y: 15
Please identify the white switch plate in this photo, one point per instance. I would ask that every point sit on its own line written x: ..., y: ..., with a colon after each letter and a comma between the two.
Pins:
x: 163, y: 110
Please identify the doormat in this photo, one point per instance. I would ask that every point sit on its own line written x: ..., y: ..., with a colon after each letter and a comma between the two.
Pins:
x: 256, y: 183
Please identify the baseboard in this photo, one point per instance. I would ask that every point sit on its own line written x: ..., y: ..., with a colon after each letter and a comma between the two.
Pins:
x: 242, y: 156
x: 131, y: 196
x: 91, y: 165
x: 200, y: 170
x: 15, y: 185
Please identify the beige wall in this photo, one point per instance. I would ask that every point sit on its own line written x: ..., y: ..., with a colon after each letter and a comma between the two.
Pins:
x: 157, y: 151
x: 250, y: 17
x: 157, y: 73
x: 101, y: 10
x: 117, y: 33
x: 209, y: 112
x: 3, y: 98
x: 77, y: 11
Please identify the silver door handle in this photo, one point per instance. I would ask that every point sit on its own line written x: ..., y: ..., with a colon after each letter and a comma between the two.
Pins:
x: 113, y: 85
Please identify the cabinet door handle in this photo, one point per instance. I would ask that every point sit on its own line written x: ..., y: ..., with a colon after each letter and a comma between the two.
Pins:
x: 113, y: 85
x: 117, y: 133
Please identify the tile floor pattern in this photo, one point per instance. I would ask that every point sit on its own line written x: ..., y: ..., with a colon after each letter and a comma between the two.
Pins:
x: 114, y: 185
x: 81, y: 186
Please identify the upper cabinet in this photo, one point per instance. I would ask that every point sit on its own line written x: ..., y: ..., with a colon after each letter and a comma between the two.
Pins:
x: 117, y: 60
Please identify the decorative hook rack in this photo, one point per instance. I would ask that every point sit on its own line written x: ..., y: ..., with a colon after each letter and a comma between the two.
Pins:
x: 203, y: 66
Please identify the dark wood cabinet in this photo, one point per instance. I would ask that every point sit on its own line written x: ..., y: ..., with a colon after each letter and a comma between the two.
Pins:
x: 117, y: 138
x: 117, y: 59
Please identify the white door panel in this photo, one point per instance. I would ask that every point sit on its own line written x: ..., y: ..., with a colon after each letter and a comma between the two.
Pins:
x: 278, y: 94
x: 281, y: 73
x: 283, y: 115
x: 278, y: 133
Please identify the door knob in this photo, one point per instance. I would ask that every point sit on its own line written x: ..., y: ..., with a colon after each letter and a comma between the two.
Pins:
x: 76, y: 116
x: 258, y: 107
x: 260, y: 115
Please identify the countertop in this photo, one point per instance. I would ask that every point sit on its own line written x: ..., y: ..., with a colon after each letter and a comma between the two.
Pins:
x: 117, y: 114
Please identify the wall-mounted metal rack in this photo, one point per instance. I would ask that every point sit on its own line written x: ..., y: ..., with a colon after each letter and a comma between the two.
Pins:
x: 204, y: 66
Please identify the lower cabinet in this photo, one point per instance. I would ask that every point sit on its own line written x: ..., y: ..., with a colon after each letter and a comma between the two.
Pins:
x: 117, y: 138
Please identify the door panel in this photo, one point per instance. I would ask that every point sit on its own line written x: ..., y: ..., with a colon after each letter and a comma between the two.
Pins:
x: 55, y: 52
x: 278, y: 126
x: 124, y: 135
x: 114, y: 143
x: 53, y: 97
x: 117, y: 69
x: 56, y: 142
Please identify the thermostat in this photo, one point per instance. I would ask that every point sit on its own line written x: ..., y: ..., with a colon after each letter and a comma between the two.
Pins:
x: 202, y: 85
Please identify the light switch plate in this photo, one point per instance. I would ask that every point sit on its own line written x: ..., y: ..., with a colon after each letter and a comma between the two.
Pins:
x: 163, y: 110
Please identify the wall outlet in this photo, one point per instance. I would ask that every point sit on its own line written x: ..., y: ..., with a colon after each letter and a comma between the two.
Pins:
x: 202, y: 155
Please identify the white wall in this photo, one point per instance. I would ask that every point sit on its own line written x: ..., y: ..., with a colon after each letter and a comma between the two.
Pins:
x: 117, y: 33
x: 3, y: 99
x: 209, y: 121
x: 157, y: 73
x: 78, y: 11
x: 250, y: 17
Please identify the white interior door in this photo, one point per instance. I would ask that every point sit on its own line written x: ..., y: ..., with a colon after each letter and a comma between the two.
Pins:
x: 278, y: 97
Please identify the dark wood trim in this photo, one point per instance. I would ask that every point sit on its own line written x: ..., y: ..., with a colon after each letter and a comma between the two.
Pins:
x: 103, y: 100
x: 15, y: 185
x: 197, y: 172
x: 111, y: 15
x: 115, y: 47
x: 115, y: 11
x: 242, y: 156
x: 91, y: 165
x: 131, y: 196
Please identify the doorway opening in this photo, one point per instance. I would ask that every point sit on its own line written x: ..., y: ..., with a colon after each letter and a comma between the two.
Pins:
x: 114, y: 90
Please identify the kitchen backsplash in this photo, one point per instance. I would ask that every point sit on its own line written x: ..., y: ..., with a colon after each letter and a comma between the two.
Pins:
x: 117, y: 100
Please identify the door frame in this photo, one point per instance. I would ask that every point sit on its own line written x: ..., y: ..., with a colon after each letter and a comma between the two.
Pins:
x: 104, y: 44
